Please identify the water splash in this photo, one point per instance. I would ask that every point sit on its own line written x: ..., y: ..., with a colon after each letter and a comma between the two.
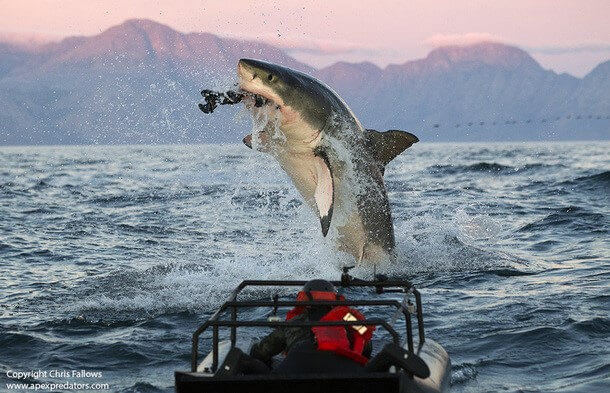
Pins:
x: 431, y: 242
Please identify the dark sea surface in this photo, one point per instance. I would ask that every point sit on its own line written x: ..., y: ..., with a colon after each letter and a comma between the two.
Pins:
x: 110, y: 257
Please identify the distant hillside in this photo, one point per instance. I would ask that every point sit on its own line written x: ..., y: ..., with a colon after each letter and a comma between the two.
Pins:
x: 139, y: 82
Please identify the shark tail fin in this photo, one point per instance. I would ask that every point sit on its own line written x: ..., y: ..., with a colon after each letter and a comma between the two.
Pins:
x: 385, y: 146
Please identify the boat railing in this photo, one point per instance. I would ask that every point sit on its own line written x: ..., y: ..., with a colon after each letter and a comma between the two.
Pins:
x: 381, y: 286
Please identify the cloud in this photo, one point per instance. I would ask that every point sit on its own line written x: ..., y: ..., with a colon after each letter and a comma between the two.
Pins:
x: 25, y: 40
x: 317, y: 46
x: 569, y: 49
x: 307, y: 45
x: 438, y: 40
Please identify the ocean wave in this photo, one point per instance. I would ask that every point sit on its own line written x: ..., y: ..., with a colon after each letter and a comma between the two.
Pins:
x: 9, y: 339
x: 142, y: 387
x: 40, y: 210
x: 12, y: 190
x: 603, y: 177
x: 593, y: 372
x: 148, y: 229
x: 478, y: 167
x: 5, y: 247
x: 41, y: 185
x: 435, y: 243
x: 80, y: 323
x: 529, y: 340
x: 488, y: 167
x: 151, y: 196
x: 275, y: 200
x: 594, y: 327
x: 509, y: 272
x: 77, y: 162
x: 595, y: 182
x: 574, y: 219
x: 462, y: 373
x: 198, y: 287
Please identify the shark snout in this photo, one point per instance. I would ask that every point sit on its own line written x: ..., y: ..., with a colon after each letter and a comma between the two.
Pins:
x: 242, y: 71
x: 247, y: 69
x: 251, y: 64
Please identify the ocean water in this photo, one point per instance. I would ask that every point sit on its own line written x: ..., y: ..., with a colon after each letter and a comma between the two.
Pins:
x: 110, y: 257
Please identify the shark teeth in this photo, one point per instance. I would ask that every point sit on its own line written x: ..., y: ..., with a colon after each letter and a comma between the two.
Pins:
x: 230, y: 97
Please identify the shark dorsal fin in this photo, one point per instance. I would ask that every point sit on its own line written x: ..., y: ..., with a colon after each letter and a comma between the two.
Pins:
x: 385, y: 146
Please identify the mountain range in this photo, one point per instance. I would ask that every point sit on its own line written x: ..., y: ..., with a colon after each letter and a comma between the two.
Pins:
x: 139, y: 82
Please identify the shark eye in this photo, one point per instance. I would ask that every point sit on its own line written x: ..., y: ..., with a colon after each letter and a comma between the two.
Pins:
x: 270, y: 77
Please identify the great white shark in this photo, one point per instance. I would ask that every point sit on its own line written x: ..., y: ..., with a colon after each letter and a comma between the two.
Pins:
x: 335, y: 163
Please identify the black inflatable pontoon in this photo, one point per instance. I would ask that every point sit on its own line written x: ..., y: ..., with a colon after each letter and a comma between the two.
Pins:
x: 209, y: 377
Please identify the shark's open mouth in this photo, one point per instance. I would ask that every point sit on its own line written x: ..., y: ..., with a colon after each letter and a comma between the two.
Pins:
x: 254, y: 100
x: 266, y: 121
x: 265, y: 112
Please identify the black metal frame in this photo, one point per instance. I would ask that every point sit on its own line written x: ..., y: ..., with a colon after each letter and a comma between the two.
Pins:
x: 381, y: 286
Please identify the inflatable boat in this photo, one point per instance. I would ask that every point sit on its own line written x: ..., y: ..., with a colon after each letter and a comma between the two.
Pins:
x: 418, y: 363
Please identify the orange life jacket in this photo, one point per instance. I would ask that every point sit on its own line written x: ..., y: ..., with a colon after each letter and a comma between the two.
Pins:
x: 335, y: 338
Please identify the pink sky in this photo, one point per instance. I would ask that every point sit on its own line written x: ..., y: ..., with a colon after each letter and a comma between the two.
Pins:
x: 566, y: 36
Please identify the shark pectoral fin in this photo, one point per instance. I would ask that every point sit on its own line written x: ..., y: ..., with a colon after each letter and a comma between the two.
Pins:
x: 324, y: 193
x: 385, y: 146
x: 248, y: 140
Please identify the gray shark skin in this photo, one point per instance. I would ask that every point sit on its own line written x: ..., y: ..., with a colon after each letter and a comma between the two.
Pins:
x: 335, y: 163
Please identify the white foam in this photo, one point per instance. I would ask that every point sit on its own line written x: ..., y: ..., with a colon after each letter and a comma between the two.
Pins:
x: 299, y: 252
x: 428, y: 243
x: 433, y: 242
